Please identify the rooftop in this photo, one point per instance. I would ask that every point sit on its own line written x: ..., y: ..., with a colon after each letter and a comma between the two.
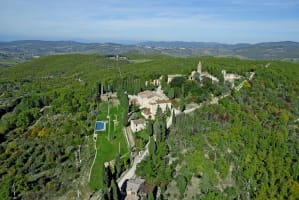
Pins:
x: 163, y: 101
x: 147, y: 94
x: 138, y: 121
x: 134, y: 184
x: 174, y: 75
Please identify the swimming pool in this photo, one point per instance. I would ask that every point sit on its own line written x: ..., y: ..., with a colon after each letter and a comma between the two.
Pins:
x: 100, y: 126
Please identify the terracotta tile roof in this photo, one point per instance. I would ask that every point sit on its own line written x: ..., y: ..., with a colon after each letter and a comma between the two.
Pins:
x: 163, y: 101
x: 146, y: 94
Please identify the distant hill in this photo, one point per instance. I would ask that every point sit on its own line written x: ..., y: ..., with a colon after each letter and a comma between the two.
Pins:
x: 272, y: 50
x: 269, y: 50
x: 20, y: 51
x: 195, y: 45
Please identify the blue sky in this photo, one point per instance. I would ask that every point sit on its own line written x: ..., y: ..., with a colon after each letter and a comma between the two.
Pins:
x: 227, y: 21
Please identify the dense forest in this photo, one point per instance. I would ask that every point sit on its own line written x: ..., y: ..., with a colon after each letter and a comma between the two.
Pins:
x: 244, y: 147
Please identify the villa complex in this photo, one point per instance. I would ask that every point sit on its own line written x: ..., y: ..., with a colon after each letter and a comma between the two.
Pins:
x: 149, y: 101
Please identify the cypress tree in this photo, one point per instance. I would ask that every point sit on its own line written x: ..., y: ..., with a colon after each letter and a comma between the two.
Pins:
x: 125, y: 118
x: 150, y: 196
x: 152, y: 146
x: 114, y: 192
x: 150, y: 128
x: 182, y: 104
x: 173, y: 118
x: 157, y: 130
x: 118, y: 165
x: 107, y: 176
x: 163, y: 129
x: 159, y: 113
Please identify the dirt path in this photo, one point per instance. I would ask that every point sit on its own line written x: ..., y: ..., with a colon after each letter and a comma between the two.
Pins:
x: 95, y: 156
x: 42, y: 109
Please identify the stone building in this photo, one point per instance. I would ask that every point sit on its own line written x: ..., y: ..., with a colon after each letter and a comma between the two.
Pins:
x: 133, y: 189
x: 230, y: 77
x: 137, y: 125
x: 149, y: 101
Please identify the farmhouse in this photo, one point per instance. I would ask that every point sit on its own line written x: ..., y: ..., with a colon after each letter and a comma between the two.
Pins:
x: 149, y: 101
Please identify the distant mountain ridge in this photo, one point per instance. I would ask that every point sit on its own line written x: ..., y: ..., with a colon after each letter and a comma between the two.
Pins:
x: 181, y: 44
x: 22, y: 50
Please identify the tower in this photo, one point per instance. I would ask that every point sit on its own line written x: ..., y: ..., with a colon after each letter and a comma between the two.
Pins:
x: 199, y: 66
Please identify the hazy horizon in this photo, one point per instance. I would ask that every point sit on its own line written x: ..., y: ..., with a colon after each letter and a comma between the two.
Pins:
x: 132, y: 42
x: 132, y: 21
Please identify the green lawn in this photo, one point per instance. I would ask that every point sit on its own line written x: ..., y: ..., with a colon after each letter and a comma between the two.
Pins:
x: 107, y: 149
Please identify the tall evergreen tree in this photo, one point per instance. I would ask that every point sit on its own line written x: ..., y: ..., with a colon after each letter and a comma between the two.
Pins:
x: 173, y: 118
x: 159, y: 113
x: 182, y: 104
x: 150, y: 128
x: 157, y: 130
x: 150, y: 196
x: 107, y: 176
x: 168, y: 111
x: 125, y: 117
x: 118, y: 166
x: 114, y: 191
x: 183, y: 91
x: 163, y: 129
x: 152, y: 146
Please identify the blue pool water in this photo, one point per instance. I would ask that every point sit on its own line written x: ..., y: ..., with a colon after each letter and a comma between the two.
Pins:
x: 100, y: 126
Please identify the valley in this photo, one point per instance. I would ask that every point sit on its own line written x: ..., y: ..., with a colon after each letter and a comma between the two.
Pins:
x: 21, y: 51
